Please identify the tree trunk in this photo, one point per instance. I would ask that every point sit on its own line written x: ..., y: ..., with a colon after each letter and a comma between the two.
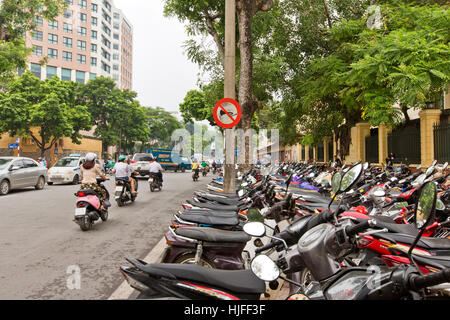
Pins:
x: 248, y: 103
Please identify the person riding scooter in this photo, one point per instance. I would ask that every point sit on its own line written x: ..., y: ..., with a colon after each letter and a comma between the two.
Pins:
x: 123, y: 171
x: 156, y: 170
x: 89, y: 171
x: 195, y: 169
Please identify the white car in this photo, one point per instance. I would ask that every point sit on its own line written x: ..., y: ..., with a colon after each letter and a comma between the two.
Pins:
x: 66, y: 170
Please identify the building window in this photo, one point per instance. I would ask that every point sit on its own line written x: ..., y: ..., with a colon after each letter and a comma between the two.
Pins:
x: 81, y: 58
x: 116, y: 15
x: 69, y: 2
x: 51, y: 72
x: 52, y: 53
x: 94, y: 7
x: 53, y: 25
x: 37, y: 50
x: 36, y: 35
x: 116, y: 26
x: 93, y: 34
x: 116, y: 67
x: 94, y: 21
x: 39, y: 21
x: 82, y: 31
x: 82, y: 4
x: 66, y: 74
x: 106, y: 42
x: 52, y: 38
x: 106, y: 16
x: 115, y: 57
x: 67, y: 56
x: 106, y: 55
x: 82, y: 45
x: 67, y: 27
x: 67, y: 42
x: 36, y: 69
x: 92, y: 76
x: 68, y: 14
x: 93, y: 61
x: 116, y: 77
x: 107, y: 5
x: 80, y: 77
x: 106, y: 67
x: 116, y: 36
x: 106, y: 29
x: 115, y: 46
x: 82, y: 17
x: 93, y: 47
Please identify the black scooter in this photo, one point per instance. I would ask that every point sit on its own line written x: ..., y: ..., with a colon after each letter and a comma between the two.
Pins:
x: 123, y: 191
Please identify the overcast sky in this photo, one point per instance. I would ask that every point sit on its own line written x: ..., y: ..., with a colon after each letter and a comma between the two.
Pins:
x: 162, y: 74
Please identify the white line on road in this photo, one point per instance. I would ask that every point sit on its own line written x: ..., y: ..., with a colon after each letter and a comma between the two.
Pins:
x: 124, y: 291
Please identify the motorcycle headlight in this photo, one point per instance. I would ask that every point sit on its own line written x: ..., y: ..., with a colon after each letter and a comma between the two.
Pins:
x: 349, y: 286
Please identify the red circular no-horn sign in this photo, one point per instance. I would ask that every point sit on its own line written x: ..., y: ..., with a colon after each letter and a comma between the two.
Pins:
x: 227, y: 113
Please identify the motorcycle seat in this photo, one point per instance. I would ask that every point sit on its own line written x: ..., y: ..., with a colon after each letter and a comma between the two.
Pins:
x: 212, y: 235
x: 440, y: 262
x: 210, y: 219
x: 238, y: 281
x: 210, y: 212
x: 427, y: 243
x: 220, y: 200
x: 214, y: 206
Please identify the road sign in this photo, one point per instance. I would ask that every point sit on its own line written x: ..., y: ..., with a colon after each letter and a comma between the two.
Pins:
x: 13, y: 146
x: 227, y: 113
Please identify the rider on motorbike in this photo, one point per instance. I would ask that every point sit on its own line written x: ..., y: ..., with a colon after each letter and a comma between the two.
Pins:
x: 155, y: 169
x: 89, y: 171
x: 123, y: 171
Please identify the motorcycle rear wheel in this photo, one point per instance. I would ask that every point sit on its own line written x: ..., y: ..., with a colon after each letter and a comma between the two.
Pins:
x: 85, y: 223
x: 190, y: 259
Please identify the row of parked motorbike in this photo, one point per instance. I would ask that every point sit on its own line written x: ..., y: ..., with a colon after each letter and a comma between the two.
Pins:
x: 356, y: 232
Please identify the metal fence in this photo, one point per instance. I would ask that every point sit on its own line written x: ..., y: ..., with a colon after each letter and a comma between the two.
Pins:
x: 372, y: 149
x: 320, y: 153
x: 442, y: 142
x: 404, y: 143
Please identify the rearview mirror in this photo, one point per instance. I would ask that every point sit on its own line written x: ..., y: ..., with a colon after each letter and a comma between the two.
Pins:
x: 264, y: 268
x: 426, y: 205
x: 336, y: 182
x: 350, y: 177
x: 255, y: 229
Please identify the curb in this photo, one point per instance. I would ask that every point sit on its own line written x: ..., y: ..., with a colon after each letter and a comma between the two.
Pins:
x: 124, y: 291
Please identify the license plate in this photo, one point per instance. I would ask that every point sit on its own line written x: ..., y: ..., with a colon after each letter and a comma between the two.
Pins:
x: 118, y: 189
x: 80, y: 212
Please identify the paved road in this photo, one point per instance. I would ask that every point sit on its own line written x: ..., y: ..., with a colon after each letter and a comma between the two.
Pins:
x: 40, y: 244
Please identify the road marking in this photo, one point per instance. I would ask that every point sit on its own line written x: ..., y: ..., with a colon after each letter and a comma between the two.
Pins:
x: 124, y: 291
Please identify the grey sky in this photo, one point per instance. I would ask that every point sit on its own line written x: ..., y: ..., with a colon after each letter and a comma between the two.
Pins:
x: 162, y: 74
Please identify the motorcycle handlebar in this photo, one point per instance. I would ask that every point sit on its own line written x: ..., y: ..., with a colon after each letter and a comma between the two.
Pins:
x: 428, y: 280
x: 268, y: 246
x: 354, y: 230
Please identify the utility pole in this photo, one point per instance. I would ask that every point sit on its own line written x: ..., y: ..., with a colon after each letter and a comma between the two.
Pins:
x: 229, y: 184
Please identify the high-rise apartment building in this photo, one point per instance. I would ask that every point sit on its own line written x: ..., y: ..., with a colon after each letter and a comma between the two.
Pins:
x: 91, y: 38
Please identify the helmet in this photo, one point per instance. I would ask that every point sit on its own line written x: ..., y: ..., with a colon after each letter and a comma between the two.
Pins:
x: 122, y: 158
x: 91, y: 156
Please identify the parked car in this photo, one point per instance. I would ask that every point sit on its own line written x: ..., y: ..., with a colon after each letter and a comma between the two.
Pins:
x: 141, y: 163
x: 66, y: 170
x: 21, y: 172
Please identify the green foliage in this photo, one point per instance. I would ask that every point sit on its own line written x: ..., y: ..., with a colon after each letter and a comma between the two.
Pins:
x: 49, y: 105
x: 161, y: 124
